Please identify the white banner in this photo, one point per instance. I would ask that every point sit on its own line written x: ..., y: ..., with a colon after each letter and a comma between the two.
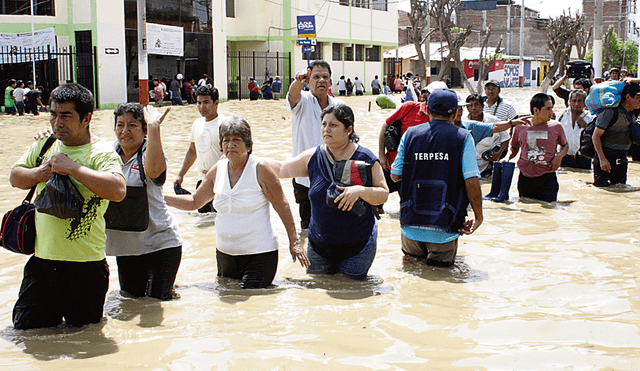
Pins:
x: 21, y: 47
x: 165, y: 40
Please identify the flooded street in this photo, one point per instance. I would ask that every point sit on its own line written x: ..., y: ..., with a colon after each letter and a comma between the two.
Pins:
x: 538, y: 287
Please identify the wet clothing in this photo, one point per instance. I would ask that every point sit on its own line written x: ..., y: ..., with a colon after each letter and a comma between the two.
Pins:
x: 434, y: 159
x: 355, y: 267
x: 616, y: 142
x: 254, y: 271
x: 432, y: 189
x: 468, y: 168
x: 335, y: 234
x: 151, y: 275
x: 141, y: 261
x: 52, y: 290
x: 68, y: 275
x: 440, y: 254
x: 243, y: 227
x: 71, y: 239
x: 538, y: 146
x: 243, y: 224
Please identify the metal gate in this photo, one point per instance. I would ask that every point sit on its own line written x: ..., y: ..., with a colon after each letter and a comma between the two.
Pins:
x: 392, y: 67
x: 260, y: 65
x: 52, y: 67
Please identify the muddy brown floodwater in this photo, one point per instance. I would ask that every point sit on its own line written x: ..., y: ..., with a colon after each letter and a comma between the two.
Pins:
x: 538, y: 287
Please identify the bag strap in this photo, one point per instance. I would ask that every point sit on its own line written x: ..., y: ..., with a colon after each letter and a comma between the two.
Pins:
x: 52, y: 138
x: 631, y: 120
x: 325, y: 161
x: 143, y: 177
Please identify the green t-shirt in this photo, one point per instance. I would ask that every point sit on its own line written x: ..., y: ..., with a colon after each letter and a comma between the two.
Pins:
x: 70, y: 239
x: 8, y: 102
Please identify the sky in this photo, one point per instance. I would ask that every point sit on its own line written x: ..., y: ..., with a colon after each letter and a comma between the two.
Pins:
x: 547, y: 8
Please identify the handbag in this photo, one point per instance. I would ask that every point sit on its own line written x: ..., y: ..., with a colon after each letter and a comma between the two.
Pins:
x: 132, y: 213
x: 346, y: 173
x: 18, y: 230
x: 393, y: 134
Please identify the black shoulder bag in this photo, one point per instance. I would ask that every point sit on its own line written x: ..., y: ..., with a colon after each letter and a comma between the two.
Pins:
x: 18, y: 232
x: 132, y: 213
x: 393, y: 134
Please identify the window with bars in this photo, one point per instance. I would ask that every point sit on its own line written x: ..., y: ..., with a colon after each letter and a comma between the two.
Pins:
x: 359, y: 52
x: 23, y: 7
x: 348, y: 53
x: 337, y: 52
x: 373, y: 53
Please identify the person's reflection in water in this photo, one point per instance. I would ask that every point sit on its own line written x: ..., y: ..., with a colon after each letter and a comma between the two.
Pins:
x: 63, y: 342
x: 123, y: 307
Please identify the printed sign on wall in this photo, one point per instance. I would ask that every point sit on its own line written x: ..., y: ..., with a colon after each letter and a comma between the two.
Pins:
x: 165, y: 40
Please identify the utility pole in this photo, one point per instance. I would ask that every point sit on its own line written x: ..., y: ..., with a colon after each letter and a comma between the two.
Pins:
x: 521, y: 67
x: 427, y: 48
x: 33, y: 48
x: 143, y: 63
x: 597, y: 40
x: 509, y: 50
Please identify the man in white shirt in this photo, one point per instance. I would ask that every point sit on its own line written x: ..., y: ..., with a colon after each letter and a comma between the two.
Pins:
x: 306, y: 123
x: 491, y: 148
x: 19, y: 94
x: 204, y: 149
x: 495, y: 105
x: 573, y: 120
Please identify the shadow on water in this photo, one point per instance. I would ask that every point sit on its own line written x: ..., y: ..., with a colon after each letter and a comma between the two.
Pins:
x: 229, y: 290
x: 460, y: 272
x: 122, y: 307
x: 339, y: 287
x: 63, y: 342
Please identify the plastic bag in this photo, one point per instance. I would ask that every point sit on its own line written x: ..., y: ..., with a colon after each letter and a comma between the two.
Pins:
x: 60, y: 198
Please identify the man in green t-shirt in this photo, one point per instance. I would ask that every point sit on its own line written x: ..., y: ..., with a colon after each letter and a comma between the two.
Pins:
x: 9, y: 101
x: 68, y: 275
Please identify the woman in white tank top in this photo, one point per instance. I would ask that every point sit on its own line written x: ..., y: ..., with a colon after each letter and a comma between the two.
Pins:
x: 242, y: 186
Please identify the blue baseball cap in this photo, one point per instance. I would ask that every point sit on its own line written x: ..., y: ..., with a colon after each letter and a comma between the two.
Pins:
x: 443, y: 102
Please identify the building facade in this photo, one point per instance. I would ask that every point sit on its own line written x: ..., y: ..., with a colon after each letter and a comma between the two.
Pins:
x: 350, y: 34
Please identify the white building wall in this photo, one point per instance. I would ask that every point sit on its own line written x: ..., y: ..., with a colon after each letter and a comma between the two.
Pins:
x: 112, y: 68
x: 220, y: 32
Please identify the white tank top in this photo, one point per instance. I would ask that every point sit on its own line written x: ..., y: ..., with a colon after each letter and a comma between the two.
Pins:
x: 243, y: 225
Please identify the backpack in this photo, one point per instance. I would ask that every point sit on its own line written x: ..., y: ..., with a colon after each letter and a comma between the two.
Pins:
x: 586, y: 142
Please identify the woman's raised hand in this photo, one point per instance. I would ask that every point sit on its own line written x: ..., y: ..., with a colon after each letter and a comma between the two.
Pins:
x: 152, y: 116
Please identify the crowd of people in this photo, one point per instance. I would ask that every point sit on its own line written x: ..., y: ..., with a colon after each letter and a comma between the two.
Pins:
x: 339, y: 185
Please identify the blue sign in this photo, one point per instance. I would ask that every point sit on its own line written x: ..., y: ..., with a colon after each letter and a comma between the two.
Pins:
x: 306, y: 26
x: 308, y: 49
x: 307, y: 42
x: 478, y: 4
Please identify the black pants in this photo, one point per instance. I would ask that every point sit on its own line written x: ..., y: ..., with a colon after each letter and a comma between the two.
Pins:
x: 151, y: 275
x: 544, y: 187
x: 52, y: 290
x: 208, y: 207
x: 301, y: 194
x: 618, y: 175
x: 393, y: 186
x: 255, y: 271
